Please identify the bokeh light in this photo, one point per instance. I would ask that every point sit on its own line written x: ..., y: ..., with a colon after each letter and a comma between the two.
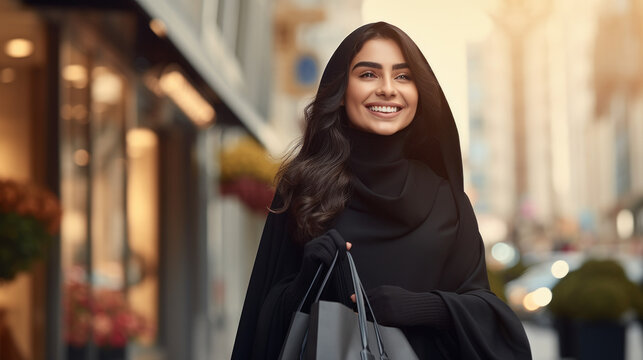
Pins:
x: 504, y: 253
x: 19, y: 48
x: 560, y: 269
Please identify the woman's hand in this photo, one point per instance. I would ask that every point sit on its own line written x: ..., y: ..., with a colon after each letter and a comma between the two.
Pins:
x: 322, y: 249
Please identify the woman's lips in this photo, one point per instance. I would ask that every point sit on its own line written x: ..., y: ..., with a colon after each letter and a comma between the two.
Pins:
x: 385, y: 112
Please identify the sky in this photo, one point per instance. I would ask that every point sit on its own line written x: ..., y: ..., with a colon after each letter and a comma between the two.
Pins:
x: 442, y: 30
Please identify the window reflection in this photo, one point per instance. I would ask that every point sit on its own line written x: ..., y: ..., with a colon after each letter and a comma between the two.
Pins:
x: 109, y: 239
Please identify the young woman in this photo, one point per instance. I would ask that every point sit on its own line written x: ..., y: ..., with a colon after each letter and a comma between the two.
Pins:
x: 379, y: 172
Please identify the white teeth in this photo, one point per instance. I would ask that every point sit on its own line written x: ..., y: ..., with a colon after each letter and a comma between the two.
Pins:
x: 384, y: 109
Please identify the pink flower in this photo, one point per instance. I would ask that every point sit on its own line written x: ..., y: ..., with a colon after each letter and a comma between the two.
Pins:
x: 118, y: 339
x: 103, y: 326
x: 106, y: 312
x: 31, y: 200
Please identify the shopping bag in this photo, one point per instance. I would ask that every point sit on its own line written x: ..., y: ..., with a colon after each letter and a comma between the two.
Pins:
x: 334, y: 331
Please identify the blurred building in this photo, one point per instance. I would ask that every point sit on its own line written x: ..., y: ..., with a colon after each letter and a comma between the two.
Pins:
x: 615, y: 135
x: 563, y: 79
x: 307, y: 33
x: 122, y: 107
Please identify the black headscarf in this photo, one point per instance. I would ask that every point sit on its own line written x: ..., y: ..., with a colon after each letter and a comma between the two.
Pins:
x: 483, y: 326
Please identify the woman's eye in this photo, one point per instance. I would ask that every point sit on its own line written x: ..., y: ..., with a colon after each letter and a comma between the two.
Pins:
x: 404, y: 77
x: 367, y: 75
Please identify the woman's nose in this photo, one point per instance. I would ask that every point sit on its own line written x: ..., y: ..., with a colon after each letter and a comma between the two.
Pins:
x: 387, y: 88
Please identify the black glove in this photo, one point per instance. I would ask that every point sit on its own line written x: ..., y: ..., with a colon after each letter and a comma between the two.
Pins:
x: 395, y: 306
x: 321, y: 250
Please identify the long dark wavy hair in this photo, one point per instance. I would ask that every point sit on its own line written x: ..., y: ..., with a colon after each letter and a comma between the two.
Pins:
x: 314, y: 182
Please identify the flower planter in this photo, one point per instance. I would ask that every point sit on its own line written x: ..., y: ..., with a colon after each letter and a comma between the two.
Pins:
x: 600, y: 340
x: 29, y: 217
x: 567, y: 339
x: 102, y: 317
x: 82, y: 353
x: 111, y: 353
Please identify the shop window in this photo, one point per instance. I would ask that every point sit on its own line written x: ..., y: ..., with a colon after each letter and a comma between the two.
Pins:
x: 108, y: 239
x: 22, y: 279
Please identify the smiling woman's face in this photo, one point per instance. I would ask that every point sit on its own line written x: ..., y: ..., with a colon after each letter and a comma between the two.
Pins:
x: 381, y: 96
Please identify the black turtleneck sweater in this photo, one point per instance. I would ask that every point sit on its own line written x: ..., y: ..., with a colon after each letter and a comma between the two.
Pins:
x: 418, y: 253
x: 399, y: 213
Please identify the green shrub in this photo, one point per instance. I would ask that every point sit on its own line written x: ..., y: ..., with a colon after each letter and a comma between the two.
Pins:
x: 602, y: 300
x: 598, y: 290
x: 594, y: 268
x: 563, y: 295
x: 23, y: 240
x: 637, y: 304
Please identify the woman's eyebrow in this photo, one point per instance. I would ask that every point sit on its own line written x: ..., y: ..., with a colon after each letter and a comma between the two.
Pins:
x: 378, y: 66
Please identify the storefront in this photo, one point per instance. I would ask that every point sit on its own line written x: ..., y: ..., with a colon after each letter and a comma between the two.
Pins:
x: 107, y: 113
x: 24, y: 148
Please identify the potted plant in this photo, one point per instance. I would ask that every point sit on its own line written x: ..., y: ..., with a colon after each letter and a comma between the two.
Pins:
x: 562, y: 308
x: 102, y: 316
x: 638, y: 304
x: 29, y: 217
x: 588, y: 306
x: 247, y: 172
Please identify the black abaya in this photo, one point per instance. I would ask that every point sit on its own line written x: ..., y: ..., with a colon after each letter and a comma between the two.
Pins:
x: 412, y: 228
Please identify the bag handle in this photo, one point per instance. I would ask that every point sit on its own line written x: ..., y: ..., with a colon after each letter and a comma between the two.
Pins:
x: 365, y: 354
x: 380, y: 346
x: 321, y: 288
x: 360, y: 298
x: 312, y: 283
x: 328, y: 273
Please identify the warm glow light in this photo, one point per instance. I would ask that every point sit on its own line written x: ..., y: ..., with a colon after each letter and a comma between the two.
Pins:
x: 74, y: 226
x: 7, y: 75
x: 140, y: 140
x: 79, y: 113
x: 542, y: 296
x: 107, y: 87
x: 625, y: 223
x: 158, y: 27
x: 19, y: 48
x: 174, y: 84
x: 560, y: 269
x: 81, y: 157
x: 529, y: 303
x: 142, y: 219
x: 76, y: 75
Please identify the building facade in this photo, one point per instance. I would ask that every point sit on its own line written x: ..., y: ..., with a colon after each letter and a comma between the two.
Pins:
x: 572, y: 88
x: 121, y: 109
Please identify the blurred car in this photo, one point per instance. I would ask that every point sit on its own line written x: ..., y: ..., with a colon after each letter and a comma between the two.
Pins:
x: 530, y: 293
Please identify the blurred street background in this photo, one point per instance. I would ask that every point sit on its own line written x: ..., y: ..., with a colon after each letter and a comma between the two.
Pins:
x: 139, y: 140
